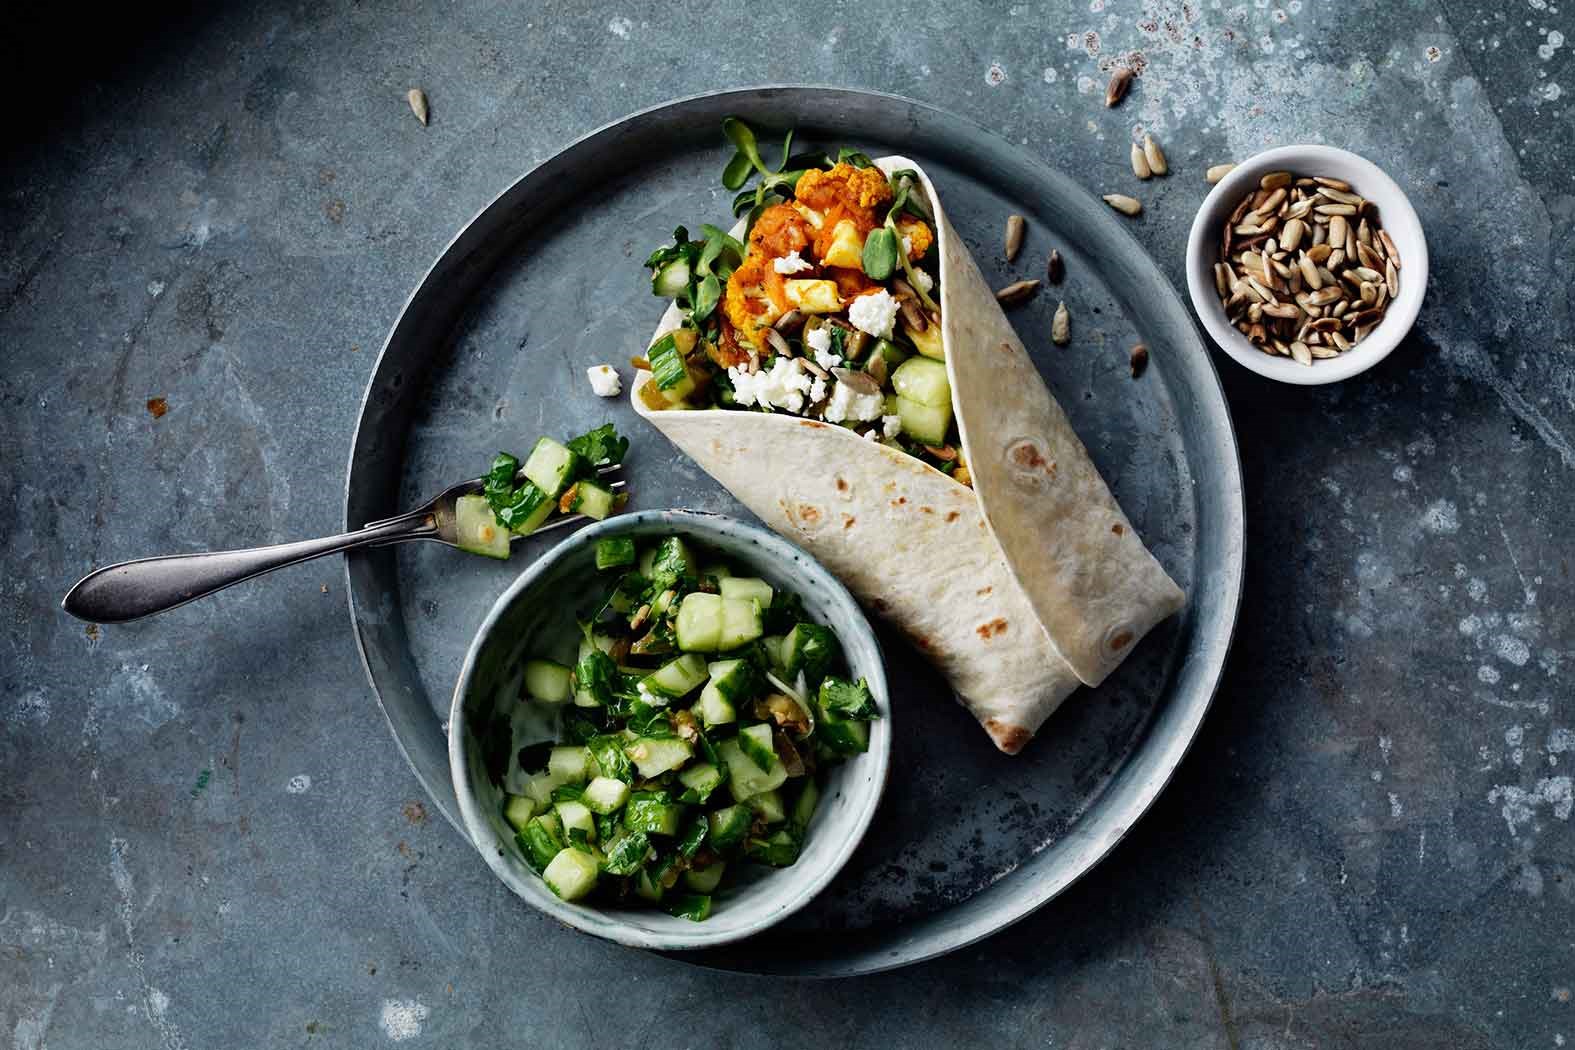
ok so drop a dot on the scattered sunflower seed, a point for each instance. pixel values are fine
(1017, 292)
(1015, 227)
(418, 104)
(1139, 360)
(1140, 165)
(1124, 204)
(1116, 90)
(1275, 180)
(1155, 156)
(1061, 326)
(1055, 269)
(1218, 172)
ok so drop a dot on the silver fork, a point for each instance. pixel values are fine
(131, 590)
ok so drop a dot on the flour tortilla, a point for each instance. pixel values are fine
(1018, 589)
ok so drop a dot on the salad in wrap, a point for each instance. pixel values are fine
(837, 361)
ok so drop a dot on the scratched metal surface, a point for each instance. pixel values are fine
(980, 839)
(1371, 843)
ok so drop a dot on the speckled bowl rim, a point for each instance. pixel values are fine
(1398, 216)
(788, 560)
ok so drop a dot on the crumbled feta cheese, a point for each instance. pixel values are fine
(782, 387)
(923, 281)
(872, 434)
(874, 313)
(604, 380)
(792, 262)
(847, 404)
(817, 390)
(891, 426)
(907, 246)
(819, 341)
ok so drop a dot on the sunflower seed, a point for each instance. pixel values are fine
(1017, 292)
(1139, 360)
(1337, 231)
(1350, 241)
(779, 344)
(1392, 277)
(1367, 255)
(1271, 202)
(1324, 324)
(1124, 204)
(1336, 259)
(1367, 273)
(1061, 326)
(877, 369)
(791, 321)
(1291, 235)
(1221, 281)
(1217, 172)
(1155, 156)
(1324, 296)
(1140, 165)
(1339, 196)
(1300, 352)
(1016, 225)
(1369, 293)
(1285, 310)
(1362, 318)
(1323, 352)
(418, 104)
(1275, 179)
(813, 367)
(1335, 209)
(1299, 210)
(1264, 295)
(1333, 184)
(1364, 232)
(912, 316)
(1309, 271)
(1055, 269)
(1389, 248)
(1340, 341)
(1339, 308)
(1116, 90)
(1319, 253)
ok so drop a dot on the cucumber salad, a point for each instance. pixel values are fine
(556, 479)
(690, 733)
(826, 309)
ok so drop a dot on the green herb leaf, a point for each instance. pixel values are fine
(629, 854)
(595, 675)
(689, 842)
(499, 486)
(854, 157)
(880, 253)
(787, 150)
(607, 750)
(851, 700)
(743, 140)
(601, 446)
(737, 171)
(707, 294)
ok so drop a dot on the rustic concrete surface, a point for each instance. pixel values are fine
(207, 837)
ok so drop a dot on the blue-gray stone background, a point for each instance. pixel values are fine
(207, 835)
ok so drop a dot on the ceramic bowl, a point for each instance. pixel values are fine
(536, 614)
(1397, 217)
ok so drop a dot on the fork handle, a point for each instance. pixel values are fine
(134, 589)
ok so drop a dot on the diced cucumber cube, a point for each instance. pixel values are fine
(604, 795)
(571, 875)
(652, 812)
(730, 824)
(672, 280)
(518, 809)
(614, 552)
(654, 756)
(804, 807)
(527, 509)
(540, 840)
(539, 788)
(755, 741)
(735, 680)
(693, 906)
(646, 887)
(576, 816)
(842, 735)
(744, 777)
(926, 424)
(772, 643)
(779, 850)
(607, 752)
(676, 678)
(571, 763)
(669, 370)
(768, 806)
(671, 561)
(625, 596)
(705, 880)
(476, 528)
(700, 619)
(741, 623)
(699, 781)
(626, 856)
(552, 466)
(747, 587)
(547, 681)
(718, 572)
(592, 498)
(714, 708)
(809, 649)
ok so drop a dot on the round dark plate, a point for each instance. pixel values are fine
(491, 351)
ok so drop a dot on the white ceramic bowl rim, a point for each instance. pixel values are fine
(1398, 217)
(797, 884)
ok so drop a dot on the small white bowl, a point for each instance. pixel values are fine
(1394, 212)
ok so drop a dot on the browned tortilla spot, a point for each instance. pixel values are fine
(927, 510)
(992, 629)
(1026, 455)
(1008, 738)
(952, 515)
(842, 486)
(809, 513)
(899, 501)
(1117, 529)
(809, 423)
(1121, 641)
(848, 520)
(984, 590)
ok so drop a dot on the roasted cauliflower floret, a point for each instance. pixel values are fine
(918, 235)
